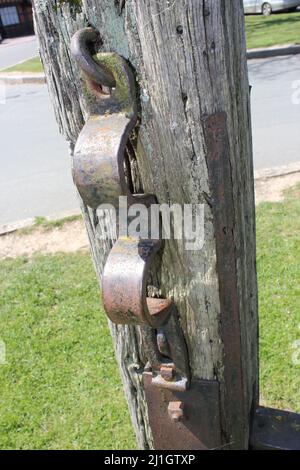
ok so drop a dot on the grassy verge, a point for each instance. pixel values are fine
(283, 28)
(278, 261)
(29, 66)
(50, 224)
(261, 31)
(60, 386)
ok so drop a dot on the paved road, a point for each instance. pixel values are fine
(35, 169)
(275, 119)
(17, 50)
(35, 174)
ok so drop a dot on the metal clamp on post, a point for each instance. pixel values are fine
(98, 172)
(98, 162)
(175, 403)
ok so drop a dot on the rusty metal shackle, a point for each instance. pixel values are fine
(98, 160)
(98, 172)
(124, 284)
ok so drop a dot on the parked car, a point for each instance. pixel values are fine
(266, 8)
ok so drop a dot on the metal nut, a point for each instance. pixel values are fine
(167, 373)
(175, 411)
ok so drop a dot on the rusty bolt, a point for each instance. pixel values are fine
(175, 410)
(167, 373)
(162, 343)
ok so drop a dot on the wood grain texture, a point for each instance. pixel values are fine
(189, 60)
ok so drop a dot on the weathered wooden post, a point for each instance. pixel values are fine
(192, 146)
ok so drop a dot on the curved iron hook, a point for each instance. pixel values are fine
(81, 52)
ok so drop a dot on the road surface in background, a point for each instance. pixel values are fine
(17, 50)
(275, 119)
(35, 176)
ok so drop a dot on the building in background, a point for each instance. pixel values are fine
(15, 18)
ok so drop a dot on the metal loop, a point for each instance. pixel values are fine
(81, 52)
(124, 284)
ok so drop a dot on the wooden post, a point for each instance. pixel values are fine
(195, 146)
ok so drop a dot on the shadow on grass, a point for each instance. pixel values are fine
(277, 29)
(264, 23)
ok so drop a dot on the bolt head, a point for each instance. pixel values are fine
(176, 411)
(167, 373)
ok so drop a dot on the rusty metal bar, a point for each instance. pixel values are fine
(275, 430)
(219, 171)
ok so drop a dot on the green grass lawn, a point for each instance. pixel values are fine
(278, 262)
(29, 66)
(60, 387)
(283, 28)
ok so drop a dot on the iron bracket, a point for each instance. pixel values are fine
(275, 430)
(184, 420)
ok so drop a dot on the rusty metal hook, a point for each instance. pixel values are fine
(98, 160)
(80, 49)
